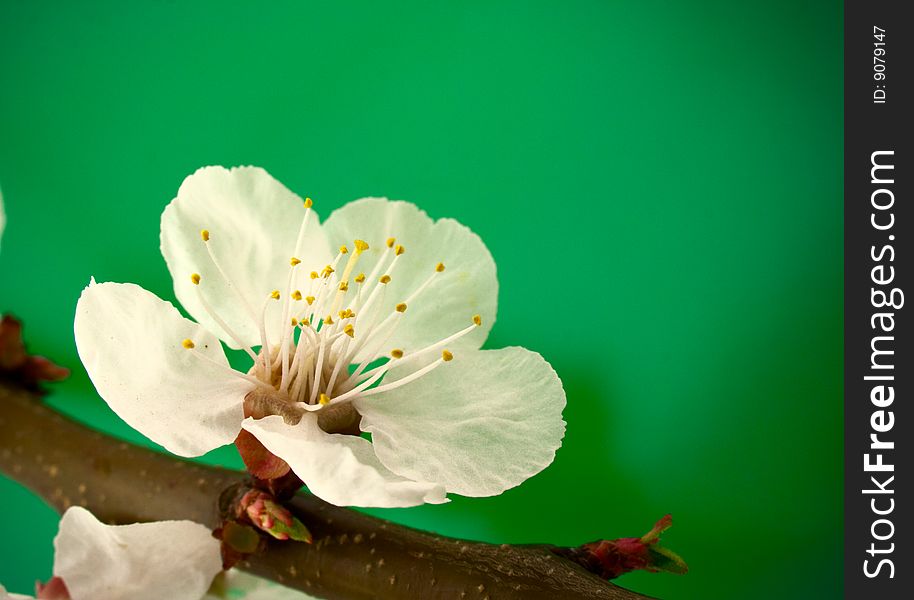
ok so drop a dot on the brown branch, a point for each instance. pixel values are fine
(353, 556)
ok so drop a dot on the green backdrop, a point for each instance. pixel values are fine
(660, 184)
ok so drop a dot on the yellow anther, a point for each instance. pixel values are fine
(349, 330)
(360, 278)
(439, 267)
(477, 319)
(360, 246)
(305, 323)
(344, 286)
(294, 321)
(204, 235)
(328, 320)
(344, 249)
(390, 242)
(296, 295)
(308, 203)
(309, 300)
(195, 278)
(274, 294)
(188, 344)
(385, 279)
(328, 270)
(446, 355)
(294, 261)
(401, 307)
(314, 275)
(399, 250)
(324, 399)
(396, 353)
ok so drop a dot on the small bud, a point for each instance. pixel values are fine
(611, 558)
(268, 515)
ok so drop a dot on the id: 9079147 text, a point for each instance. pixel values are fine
(879, 92)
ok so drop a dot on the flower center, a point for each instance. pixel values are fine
(333, 345)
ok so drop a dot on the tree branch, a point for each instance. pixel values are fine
(354, 556)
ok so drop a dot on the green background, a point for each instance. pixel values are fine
(659, 182)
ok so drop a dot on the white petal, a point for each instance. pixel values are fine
(167, 559)
(239, 585)
(253, 222)
(480, 424)
(129, 340)
(341, 469)
(4, 595)
(468, 286)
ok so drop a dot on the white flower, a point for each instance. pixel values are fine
(377, 336)
(143, 561)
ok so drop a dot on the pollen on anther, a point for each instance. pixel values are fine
(328, 320)
(308, 203)
(477, 319)
(294, 322)
(324, 399)
(296, 295)
(305, 323)
(344, 249)
(390, 242)
(204, 235)
(360, 246)
(385, 279)
(399, 250)
(309, 300)
(294, 261)
(439, 267)
(349, 330)
(360, 278)
(274, 294)
(188, 344)
(195, 278)
(314, 275)
(401, 307)
(446, 356)
(344, 286)
(396, 353)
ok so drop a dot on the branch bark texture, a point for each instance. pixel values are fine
(353, 557)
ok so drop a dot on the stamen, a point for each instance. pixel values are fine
(195, 278)
(296, 295)
(294, 261)
(219, 321)
(189, 345)
(396, 353)
(390, 242)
